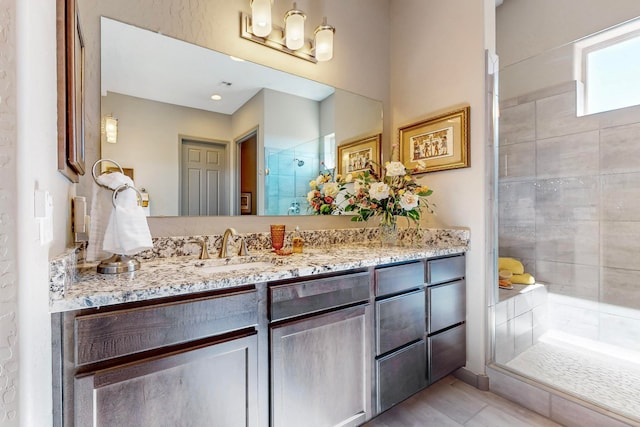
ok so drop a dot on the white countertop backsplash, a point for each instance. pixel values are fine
(172, 267)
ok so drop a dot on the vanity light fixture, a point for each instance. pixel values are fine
(290, 39)
(294, 28)
(261, 11)
(111, 129)
(324, 41)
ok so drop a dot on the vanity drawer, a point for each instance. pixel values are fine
(446, 305)
(112, 334)
(295, 299)
(445, 269)
(447, 352)
(398, 278)
(400, 375)
(399, 320)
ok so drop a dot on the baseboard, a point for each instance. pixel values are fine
(479, 381)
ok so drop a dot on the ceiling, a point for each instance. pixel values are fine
(144, 64)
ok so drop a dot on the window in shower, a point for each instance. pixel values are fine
(610, 66)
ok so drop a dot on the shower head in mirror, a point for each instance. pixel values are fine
(300, 162)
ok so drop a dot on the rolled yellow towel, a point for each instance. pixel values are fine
(513, 265)
(523, 279)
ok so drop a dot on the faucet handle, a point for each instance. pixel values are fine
(243, 248)
(204, 252)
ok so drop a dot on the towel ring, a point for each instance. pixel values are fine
(95, 177)
(122, 188)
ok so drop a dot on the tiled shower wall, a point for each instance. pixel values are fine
(569, 197)
(287, 182)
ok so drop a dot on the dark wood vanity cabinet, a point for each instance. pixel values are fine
(399, 332)
(332, 349)
(320, 349)
(182, 362)
(446, 313)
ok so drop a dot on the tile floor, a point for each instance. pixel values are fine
(451, 402)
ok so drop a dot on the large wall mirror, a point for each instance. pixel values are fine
(251, 152)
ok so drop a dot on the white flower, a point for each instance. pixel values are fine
(330, 189)
(358, 184)
(310, 195)
(408, 201)
(379, 190)
(395, 169)
(349, 178)
(320, 179)
(312, 183)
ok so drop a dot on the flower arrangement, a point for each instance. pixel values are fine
(391, 194)
(324, 190)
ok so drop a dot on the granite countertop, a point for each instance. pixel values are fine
(184, 275)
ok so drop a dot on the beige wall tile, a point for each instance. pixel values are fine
(571, 242)
(517, 161)
(568, 199)
(577, 280)
(621, 196)
(620, 248)
(620, 149)
(556, 116)
(620, 287)
(565, 156)
(518, 124)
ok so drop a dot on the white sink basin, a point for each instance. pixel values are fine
(257, 265)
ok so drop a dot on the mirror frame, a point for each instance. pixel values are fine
(71, 90)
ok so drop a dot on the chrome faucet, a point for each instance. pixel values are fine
(225, 238)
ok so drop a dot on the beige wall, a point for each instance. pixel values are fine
(8, 218)
(437, 57)
(142, 124)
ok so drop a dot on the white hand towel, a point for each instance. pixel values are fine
(107, 235)
(101, 208)
(127, 232)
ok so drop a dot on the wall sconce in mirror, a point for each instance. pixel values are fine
(259, 28)
(110, 127)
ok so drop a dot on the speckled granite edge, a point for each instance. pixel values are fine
(171, 267)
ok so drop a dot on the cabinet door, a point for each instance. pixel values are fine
(446, 305)
(447, 352)
(321, 370)
(399, 320)
(204, 386)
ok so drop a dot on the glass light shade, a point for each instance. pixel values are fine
(261, 17)
(111, 129)
(294, 29)
(324, 43)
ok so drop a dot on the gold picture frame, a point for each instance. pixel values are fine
(354, 156)
(436, 144)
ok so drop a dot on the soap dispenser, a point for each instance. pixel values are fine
(297, 241)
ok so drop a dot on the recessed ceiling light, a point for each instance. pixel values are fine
(216, 97)
(235, 58)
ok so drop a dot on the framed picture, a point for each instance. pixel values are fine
(71, 91)
(245, 203)
(436, 144)
(125, 171)
(355, 156)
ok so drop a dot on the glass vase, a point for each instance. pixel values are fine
(389, 233)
